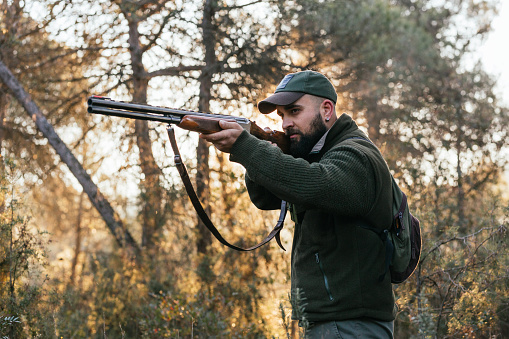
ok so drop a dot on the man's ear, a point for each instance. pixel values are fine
(327, 108)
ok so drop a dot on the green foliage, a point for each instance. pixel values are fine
(22, 252)
(286, 319)
(174, 316)
(7, 326)
(298, 302)
(503, 316)
(462, 277)
(121, 303)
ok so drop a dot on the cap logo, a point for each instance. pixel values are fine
(284, 82)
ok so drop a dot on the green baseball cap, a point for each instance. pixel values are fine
(295, 85)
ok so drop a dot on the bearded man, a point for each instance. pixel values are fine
(335, 181)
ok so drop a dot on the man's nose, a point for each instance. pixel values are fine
(287, 123)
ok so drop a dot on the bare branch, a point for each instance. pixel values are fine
(102, 205)
(173, 71)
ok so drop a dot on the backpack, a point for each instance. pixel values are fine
(405, 234)
(402, 239)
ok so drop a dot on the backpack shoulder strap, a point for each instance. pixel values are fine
(201, 211)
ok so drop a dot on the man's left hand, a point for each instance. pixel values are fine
(224, 140)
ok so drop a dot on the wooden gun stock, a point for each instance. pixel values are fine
(277, 137)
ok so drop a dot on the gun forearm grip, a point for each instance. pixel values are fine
(205, 125)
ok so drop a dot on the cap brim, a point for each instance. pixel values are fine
(278, 99)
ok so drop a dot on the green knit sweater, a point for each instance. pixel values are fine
(341, 185)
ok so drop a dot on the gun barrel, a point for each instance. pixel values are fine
(106, 106)
(170, 119)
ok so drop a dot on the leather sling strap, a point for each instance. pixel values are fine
(203, 215)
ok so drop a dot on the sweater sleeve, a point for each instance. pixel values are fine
(260, 196)
(341, 182)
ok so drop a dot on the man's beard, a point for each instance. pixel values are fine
(301, 148)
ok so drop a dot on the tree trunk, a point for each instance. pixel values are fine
(461, 190)
(4, 103)
(204, 238)
(77, 243)
(122, 236)
(152, 209)
(373, 117)
(227, 196)
(4, 267)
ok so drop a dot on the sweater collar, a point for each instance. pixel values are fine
(319, 145)
(342, 128)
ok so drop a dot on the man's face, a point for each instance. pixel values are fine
(303, 124)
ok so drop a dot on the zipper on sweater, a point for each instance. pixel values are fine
(331, 298)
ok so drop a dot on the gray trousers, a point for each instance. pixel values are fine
(350, 329)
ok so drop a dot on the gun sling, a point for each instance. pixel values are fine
(203, 215)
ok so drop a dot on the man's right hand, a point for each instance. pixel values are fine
(224, 139)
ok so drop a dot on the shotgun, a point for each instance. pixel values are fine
(205, 123)
(197, 122)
